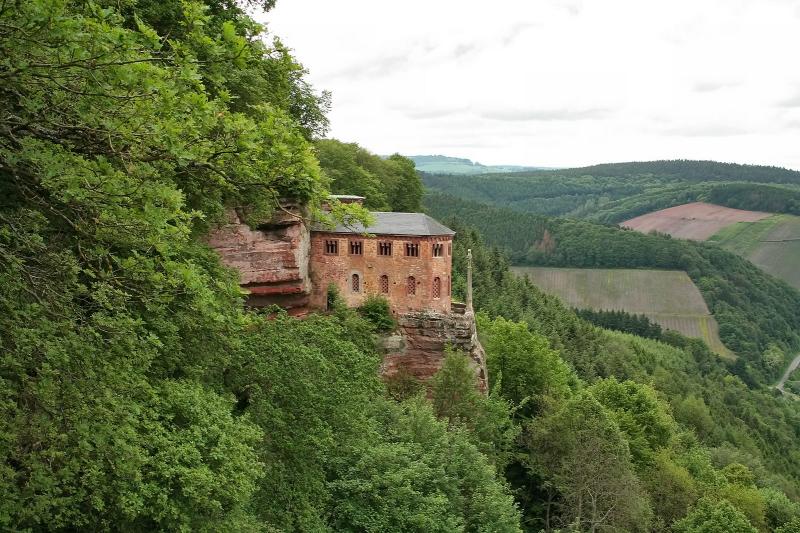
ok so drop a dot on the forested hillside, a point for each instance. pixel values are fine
(757, 313)
(136, 393)
(615, 192)
(699, 441)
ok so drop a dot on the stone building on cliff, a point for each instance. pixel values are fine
(404, 257)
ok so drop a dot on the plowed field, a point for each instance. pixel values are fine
(668, 298)
(696, 221)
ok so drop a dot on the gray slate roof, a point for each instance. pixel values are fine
(386, 223)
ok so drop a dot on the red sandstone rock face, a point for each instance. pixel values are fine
(369, 267)
(272, 262)
(420, 350)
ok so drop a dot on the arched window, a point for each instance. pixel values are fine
(356, 283)
(411, 286)
(385, 284)
(437, 288)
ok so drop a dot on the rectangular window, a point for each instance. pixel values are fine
(356, 247)
(438, 249)
(332, 247)
(449, 249)
(385, 248)
(412, 249)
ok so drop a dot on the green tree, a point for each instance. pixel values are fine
(671, 487)
(640, 415)
(404, 187)
(529, 371)
(421, 477)
(710, 516)
(121, 141)
(582, 451)
(488, 418)
(388, 184)
(791, 527)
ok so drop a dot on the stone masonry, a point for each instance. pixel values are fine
(369, 266)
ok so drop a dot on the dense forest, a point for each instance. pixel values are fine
(616, 192)
(757, 313)
(691, 427)
(137, 392)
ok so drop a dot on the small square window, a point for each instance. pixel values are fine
(438, 249)
(332, 247)
(356, 247)
(385, 248)
(412, 249)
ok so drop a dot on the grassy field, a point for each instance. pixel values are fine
(668, 298)
(772, 243)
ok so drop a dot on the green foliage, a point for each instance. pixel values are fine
(390, 184)
(308, 385)
(621, 321)
(583, 451)
(487, 417)
(642, 417)
(530, 374)
(377, 312)
(755, 197)
(135, 392)
(421, 477)
(791, 527)
(780, 510)
(714, 517)
(733, 423)
(402, 385)
(693, 413)
(672, 488)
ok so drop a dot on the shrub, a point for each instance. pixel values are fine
(376, 311)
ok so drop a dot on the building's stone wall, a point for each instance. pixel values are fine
(369, 266)
(273, 260)
(419, 346)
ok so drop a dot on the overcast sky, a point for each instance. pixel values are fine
(556, 83)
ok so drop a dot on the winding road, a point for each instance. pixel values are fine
(791, 368)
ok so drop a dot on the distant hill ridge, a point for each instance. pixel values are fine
(441, 164)
(690, 170)
(613, 192)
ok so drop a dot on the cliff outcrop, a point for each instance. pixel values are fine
(419, 344)
(273, 259)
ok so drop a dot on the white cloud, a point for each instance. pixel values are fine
(556, 83)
